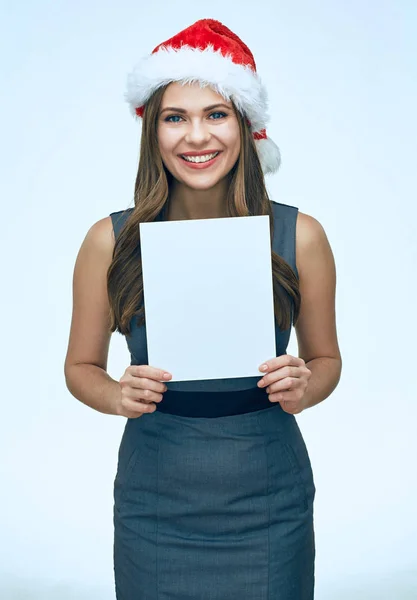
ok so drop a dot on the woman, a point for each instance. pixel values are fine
(214, 489)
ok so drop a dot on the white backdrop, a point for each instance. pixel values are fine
(342, 87)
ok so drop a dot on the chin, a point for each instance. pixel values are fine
(200, 183)
(202, 186)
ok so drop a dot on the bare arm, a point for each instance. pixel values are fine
(316, 327)
(86, 360)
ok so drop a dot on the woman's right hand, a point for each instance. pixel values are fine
(141, 386)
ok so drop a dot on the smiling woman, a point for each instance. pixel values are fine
(201, 147)
(214, 490)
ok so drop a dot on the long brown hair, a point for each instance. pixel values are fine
(247, 196)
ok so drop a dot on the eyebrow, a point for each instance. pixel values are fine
(182, 111)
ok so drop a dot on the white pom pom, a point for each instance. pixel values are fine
(269, 155)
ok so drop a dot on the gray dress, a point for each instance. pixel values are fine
(214, 493)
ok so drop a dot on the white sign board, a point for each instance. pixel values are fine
(208, 296)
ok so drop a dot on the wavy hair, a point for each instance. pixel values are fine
(247, 196)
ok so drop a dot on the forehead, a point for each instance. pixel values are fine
(191, 95)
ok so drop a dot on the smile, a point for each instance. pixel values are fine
(200, 161)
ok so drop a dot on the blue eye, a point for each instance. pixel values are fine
(172, 117)
(214, 116)
(222, 114)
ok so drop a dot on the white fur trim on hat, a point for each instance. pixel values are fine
(269, 155)
(233, 81)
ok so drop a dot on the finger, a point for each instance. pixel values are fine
(150, 372)
(148, 384)
(291, 407)
(291, 396)
(289, 383)
(282, 373)
(282, 361)
(148, 396)
(139, 395)
(137, 406)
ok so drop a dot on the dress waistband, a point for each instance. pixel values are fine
(213, 404)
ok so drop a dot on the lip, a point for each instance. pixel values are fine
(204, 165)
(201, 153)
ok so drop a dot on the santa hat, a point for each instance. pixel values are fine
(209, 53)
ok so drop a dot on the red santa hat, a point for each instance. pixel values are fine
(209, 53)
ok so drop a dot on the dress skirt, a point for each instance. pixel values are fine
(214, 508)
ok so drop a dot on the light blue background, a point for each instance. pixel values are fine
(342, 85)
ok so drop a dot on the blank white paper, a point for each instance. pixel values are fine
(208, 296)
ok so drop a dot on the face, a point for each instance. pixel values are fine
(198, 135)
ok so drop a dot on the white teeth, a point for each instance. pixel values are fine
(199, 159)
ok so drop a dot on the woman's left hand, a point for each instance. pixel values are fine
(286, 381)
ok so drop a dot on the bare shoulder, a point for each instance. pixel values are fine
(98, 244)
(311, 241)
(309, 230)
(101, 234)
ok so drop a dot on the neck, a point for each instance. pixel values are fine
(188, 203)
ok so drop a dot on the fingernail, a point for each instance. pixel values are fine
(167, 375)
(263, 368)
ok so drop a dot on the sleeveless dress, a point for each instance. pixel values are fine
(214, 491)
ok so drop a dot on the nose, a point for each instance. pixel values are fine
(197, 133)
